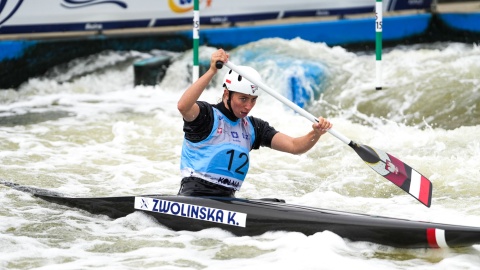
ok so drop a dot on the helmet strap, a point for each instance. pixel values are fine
(230, 93)
(228, 112)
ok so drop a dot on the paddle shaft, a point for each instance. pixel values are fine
(285, 101)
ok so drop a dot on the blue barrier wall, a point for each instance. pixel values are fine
(341, 32)
(11, 49)
(462, 21)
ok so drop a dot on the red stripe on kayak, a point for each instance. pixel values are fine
(431, 238)
(425, 188)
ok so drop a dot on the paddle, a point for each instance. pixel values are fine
(383, 163)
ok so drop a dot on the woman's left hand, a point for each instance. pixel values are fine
(322, 126)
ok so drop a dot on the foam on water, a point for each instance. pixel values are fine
(107, 137)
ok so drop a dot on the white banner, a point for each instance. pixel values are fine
(24, 16)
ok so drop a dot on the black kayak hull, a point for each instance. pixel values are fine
(254, 217)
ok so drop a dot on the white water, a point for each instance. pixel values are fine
(87, 131)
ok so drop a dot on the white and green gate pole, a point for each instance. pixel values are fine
(378, 43)
(196, 28)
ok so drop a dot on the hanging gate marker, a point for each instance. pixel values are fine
(378, 43)
(196, 28)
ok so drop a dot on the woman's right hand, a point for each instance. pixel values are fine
(219, 55)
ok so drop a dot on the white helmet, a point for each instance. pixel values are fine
(236, 83)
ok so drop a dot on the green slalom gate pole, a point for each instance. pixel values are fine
(378, 43)
(196, 28)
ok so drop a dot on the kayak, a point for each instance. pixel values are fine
(251, 217)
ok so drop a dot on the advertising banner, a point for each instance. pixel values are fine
(29, 16)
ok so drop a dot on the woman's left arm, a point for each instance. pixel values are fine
(300, 145)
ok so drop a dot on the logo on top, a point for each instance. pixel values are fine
(7, 11)
(87, 3)
(182, 6)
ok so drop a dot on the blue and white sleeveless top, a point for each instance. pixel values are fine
(223, 157)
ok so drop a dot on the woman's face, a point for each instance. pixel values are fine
(241, 103)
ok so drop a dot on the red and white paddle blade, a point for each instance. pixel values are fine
(397, 172)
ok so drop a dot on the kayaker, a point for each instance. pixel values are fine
(219, 137)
